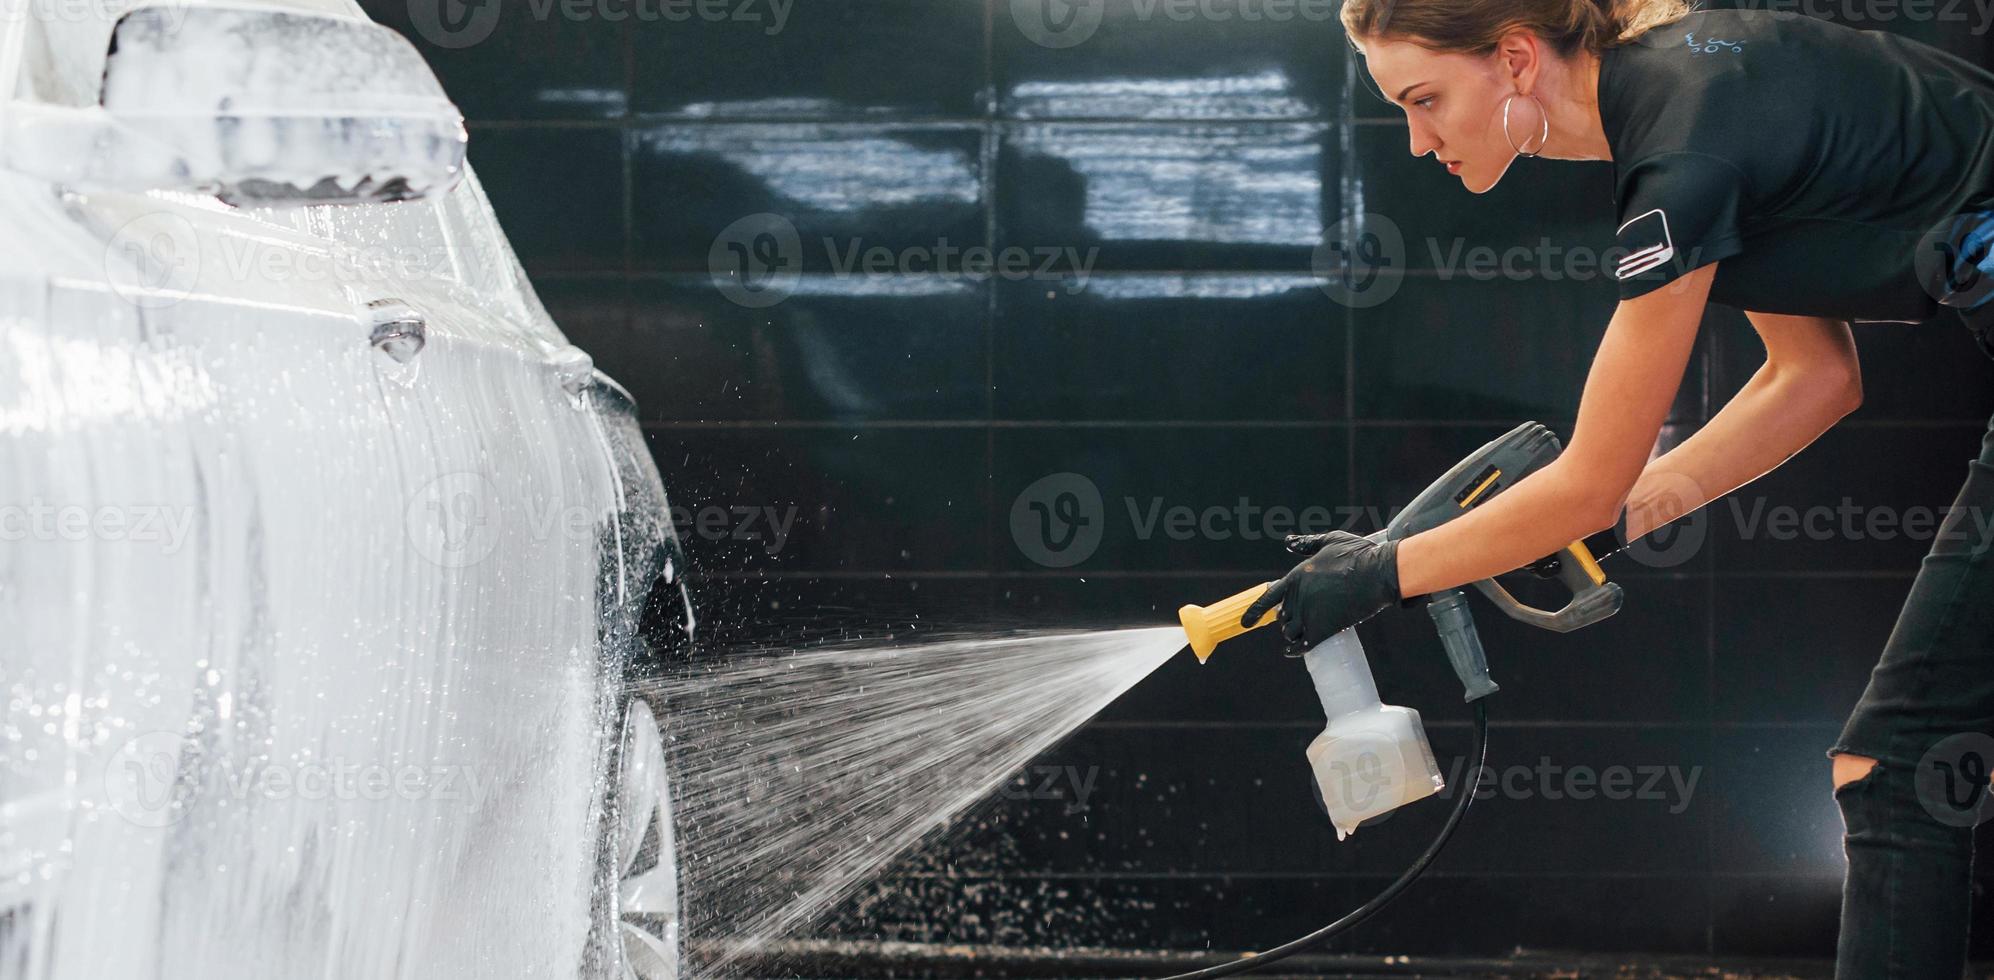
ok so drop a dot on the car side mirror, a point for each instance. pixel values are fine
(258, 106)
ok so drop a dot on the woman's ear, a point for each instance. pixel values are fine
(1520, 55)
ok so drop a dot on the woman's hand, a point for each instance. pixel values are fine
(1348, 580)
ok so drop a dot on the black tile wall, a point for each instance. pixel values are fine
(1028, 313)
(871, 349)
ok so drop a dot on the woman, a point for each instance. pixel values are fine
(1806, 173)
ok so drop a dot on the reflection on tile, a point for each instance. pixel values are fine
(885, 348)
(854, 58)
(1265, 95)
(1170, 196)
(1136, 59)
(1150, 346)
(848, 198)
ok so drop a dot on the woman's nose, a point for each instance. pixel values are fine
(1422, 141)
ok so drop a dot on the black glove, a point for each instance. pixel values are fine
(1309, 544)
(1607, 542)
(1349, 580)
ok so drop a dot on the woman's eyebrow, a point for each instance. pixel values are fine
(1403, 91)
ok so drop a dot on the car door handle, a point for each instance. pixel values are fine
(396, 328)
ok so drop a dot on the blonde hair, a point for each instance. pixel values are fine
(1474, 26)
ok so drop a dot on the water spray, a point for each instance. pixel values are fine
(1371, 757)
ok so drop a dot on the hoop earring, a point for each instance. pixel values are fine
(1541, 140)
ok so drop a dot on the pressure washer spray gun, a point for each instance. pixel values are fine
(1373, 757)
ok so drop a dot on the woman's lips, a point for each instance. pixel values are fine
(1454, 167)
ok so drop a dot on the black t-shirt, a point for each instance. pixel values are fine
(1808, 158)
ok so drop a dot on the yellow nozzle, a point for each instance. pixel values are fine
(1209, 626)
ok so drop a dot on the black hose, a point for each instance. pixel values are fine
(1254, 961)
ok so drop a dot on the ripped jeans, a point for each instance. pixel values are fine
(1927, 716)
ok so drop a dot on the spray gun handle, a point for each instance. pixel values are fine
(1456, 625)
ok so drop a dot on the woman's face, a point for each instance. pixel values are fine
(1453, 106)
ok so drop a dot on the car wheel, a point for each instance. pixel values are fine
(647, 893)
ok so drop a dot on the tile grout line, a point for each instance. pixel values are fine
(988, 180)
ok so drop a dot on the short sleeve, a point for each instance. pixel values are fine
(1679, 212)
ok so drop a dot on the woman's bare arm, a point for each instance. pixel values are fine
(1628, 393)
(1809, 381)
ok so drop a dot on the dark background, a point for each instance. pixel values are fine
(903, 416)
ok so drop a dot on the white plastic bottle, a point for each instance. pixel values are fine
(1372, 757)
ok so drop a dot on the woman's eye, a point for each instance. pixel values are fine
(1424, 103)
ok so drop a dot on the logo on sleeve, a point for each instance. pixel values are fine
(1648, 243)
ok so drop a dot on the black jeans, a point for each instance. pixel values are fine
(1927, 716)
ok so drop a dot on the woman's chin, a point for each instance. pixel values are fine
(1481, 182)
